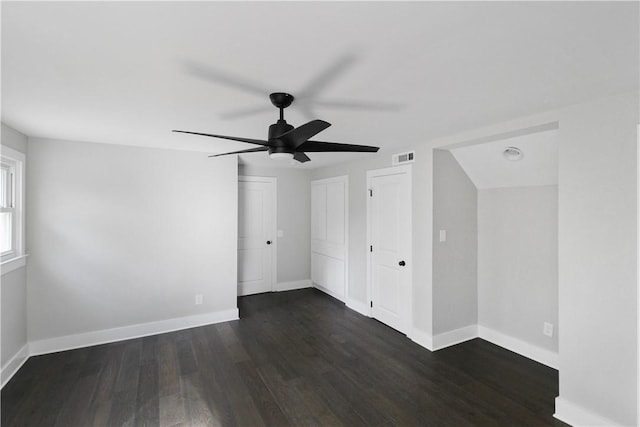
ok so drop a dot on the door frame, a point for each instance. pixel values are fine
(273, 181)
(637, 262)
(395, 170)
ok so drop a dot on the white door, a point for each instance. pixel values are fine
(256, 235)
(389, 220)
(329, 231)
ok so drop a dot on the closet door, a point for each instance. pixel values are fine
(329, 230)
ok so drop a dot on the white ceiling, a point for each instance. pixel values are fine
(128, 73)
(487, 167)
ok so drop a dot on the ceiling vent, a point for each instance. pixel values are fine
(401, 158)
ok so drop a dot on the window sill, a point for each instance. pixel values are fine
(13, 264)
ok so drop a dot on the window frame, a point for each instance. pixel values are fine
(15, 258)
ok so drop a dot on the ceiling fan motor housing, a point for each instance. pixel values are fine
(275, 144)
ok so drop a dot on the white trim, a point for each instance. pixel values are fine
(294, 284)
(12, 366)
(358, 306)
(13, 264)
(421, 338)
(87, 339)
(447, 339)
(346, 237)
(638, 274)
(394, 170)
(523, 348)
(575, 415)
(274, 215)
(328, 292)
(20, 160)
(246, 289)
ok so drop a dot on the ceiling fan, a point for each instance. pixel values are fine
(287, 142)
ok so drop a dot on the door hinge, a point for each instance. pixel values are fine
(371, 192)
(371, 304)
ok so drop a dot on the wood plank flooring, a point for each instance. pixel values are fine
(295, 358)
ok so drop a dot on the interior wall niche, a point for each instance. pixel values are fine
(495, 244)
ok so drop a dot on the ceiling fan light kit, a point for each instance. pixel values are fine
(281, 156)
(288, 142)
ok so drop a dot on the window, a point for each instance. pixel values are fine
(12, 165)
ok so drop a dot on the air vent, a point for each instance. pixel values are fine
(401, 158)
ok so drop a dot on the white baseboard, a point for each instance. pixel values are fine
(358, 306)
(454, 337)
(446, 339)
(328, 292)
(11, 367)
(87, 339)
(539, 354)
(295, 284)
(421, 338)
(578, 416)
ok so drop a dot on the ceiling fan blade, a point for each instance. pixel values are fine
(306, 111)
(359, 105)
(320, 146)
(299, 135)
(249, 111)
(233, 138)
(321, 81)
(214, 75)
(301, 157)
(250, 150)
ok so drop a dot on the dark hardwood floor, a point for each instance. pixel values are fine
(294, 358)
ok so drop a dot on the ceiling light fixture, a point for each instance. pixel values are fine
(512, 153)
(281, 156)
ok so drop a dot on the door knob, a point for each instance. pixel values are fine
(268, 242)
(402, 264)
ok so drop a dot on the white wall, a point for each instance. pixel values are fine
(598, 259)
(13, 293)
(120, 236)
(455, 261)
(13, 289)
(294, 219)
(518, 262)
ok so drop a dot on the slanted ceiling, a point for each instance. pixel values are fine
(487, 167)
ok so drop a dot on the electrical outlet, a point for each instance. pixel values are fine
(199, 299)
(548, 329)
(443, 235)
